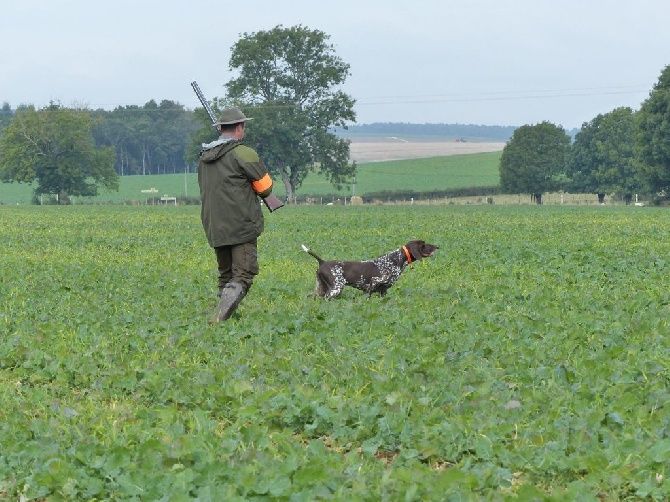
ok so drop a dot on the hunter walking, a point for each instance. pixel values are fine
(231, 178)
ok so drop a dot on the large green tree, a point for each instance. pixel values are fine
(654, 135)
(533, 159)
(288, 78)
(602, 159)
(54, 146)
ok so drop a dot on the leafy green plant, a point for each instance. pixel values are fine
(528, 359)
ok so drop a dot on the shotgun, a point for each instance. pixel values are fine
(271, 201)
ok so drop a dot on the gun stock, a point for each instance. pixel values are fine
(272, 203)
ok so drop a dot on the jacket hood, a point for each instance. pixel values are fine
(216, 149)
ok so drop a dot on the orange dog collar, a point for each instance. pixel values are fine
(407, 254)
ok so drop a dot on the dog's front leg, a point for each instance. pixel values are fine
(333, 293)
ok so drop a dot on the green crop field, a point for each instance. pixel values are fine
(436, 173)
(527, 360)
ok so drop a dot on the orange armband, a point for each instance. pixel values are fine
(262, 184)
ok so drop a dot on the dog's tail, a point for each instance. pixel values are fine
(311, 253)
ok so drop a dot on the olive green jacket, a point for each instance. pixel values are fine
(231, 212)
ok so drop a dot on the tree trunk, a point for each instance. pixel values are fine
(628, 198)
(286, 178)
(601, 198)
(62, 198)
(538, 198)
(122, 157)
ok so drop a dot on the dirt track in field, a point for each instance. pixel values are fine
(375, 151)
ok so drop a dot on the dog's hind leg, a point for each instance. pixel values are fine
(320, 288)
(325, 283)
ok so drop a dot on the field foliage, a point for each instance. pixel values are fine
(429, 174)
(527, 360)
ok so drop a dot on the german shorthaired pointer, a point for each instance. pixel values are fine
(372, 276)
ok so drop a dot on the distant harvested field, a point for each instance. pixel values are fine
(397, 149)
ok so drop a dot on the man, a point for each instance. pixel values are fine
(231, 177)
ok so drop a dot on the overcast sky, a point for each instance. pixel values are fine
(492, 62)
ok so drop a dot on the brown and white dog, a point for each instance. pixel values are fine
(371, 276)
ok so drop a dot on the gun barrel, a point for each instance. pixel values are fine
(204, 102)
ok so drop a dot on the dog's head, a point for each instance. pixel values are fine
(420, 249)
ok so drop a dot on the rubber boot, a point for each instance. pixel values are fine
(231, 296)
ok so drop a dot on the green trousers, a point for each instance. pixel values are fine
(237, 263)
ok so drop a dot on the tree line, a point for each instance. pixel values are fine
(149, 139)
(622, 152)
(74, 151)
